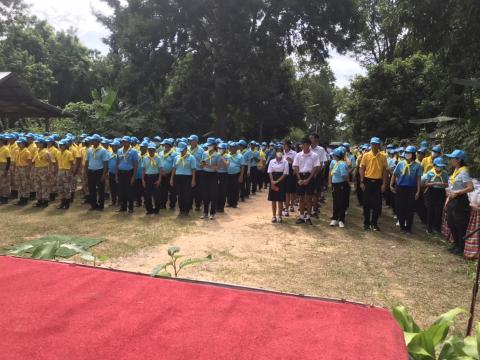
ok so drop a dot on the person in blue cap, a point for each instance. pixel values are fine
(65, 165)
(127, 166)
(152, 165)
(244, 189)
(210, 163)
(13, 146)
(235, 175)
(112, 172)
(406, 184)
(423, 161)
(253, 159)
(23, 164)
(41, 165)
(391, 165)
(373, 182)
(167, 192)
(5, 164)
(96, 166)
(458, 206)
(183, 177)
(291, 185)
(435, 184)
(52, 174)
(197, 152)
(222, 176)
(139, 190)
(338, 180)
(351, 162)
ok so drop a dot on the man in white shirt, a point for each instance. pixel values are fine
(306, 166)
(319, 178)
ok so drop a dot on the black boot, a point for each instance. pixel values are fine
(62, 205)
(45, 203)
(72, 196)
(67, 204)
(22, 202)
(14, 194)
(38, 204)
(33, 196)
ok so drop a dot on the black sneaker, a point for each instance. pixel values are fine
(308, 221)
(366, 227)
(300, 221)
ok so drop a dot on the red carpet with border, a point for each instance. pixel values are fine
(60, 311)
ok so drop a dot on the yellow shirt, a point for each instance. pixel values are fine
(33, 149)
(64, 160)
(374, 165)
(23, 156)
(4, 154)
(13, 151)
(41, 159)
(53, 153)
(427, 164)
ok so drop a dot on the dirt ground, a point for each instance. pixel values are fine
(384, 268)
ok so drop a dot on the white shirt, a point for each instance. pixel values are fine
(322, 154)
(306, 162)
(289, 155)
(278, 166)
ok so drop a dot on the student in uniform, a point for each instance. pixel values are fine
(235, 175)
(65, 165)
(13, 146)
(23, 163)
(210, 164)
(306, 166)
(338, 180)
(406, 185)
(53, 169)
(151, 180)
(351, 162)
(391, 165)
(435, 195)
(183, 178)
(319, 182)
(167, 192)
(73, 148)
(223, 176)
(82, 171)
(278, 170)
(253, 159)
(32, 147)
(41, 167)
(245, 184)
(197, 153)
(261, 166)
(112, 172)
(373, 176)
(5, 163)
(97, 167)
(420, 208)
(126, 168)
(138, 187)
(291, 184)
(458, 205)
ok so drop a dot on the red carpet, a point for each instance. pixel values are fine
(67, 312)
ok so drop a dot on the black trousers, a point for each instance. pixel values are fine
(112, 180)
(347, 190)
(458, 216)
(222, 191)
(138, 191)
(96, 189)
(405, 203)
(210, 192)
(243, 185)
(183, 187)
(372, 201)
(152, 193)
(233, 187)
(260, 178)
(359, 191)
(197, 190)
(167, 192)
(434, 201)
(125, 189)
(254, 179)
(421, 209)
(340, 200)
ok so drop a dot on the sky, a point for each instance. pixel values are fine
(65, 14)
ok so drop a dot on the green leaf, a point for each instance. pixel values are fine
(46, 251)
(452, 349)
(192, 261)
(20, 249)
(173, 250)
(164, 274)
(408, 336)
(404, 319)
(85, 255)
(158, 269)
(421, 344)
(449, 316)
(176, 257)
(103, 258)
(477, 335)
(470, 347)
(437, 333)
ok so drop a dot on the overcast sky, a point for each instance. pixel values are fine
(64, 14)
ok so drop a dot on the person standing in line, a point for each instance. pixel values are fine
(126, 168)
(435, 195)
(244, 185)
(254, 159)
(319, 177)
(358, 181)
(13, 146)
(5, 163)
(65, 165)
(183, 178)
(112, 172)
(210, 164)
(138, 189)
(291, 181)
(306, 166)
(337, 182)
(235, 176)
(391, 165)
(53, 170)
(420, 208)
(373, 176)
(458, 205)
(83, 172)
(32, 147)
(222, 176)
(151, 180)
(351, 162)
(167, 192)
(262, 156)
(197, 153)
(97, 167)
(278, 170)
(23, 164)
(406, 184)
(41, 167)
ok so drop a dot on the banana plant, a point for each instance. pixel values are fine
(176, 264)
(48, 250)
(425, 344)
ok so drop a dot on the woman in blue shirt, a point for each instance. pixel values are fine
(436, 181)
(338, 182)
(222, 176)
(183, 178)
(406, 185)
(209, 165)
(235, 175)
(127, 165)
(112, 170)
(151, 180)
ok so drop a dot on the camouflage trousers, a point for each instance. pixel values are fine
(64, 184)
(52, 179)
(22, 179)
(41, 182)
(85, 191)
(13, 183)
(4, 182)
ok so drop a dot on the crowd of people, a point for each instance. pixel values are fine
(156, 173)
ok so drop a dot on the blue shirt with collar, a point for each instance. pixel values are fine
(96, 158)
(409, 179)
(126, 159)
(213, 160)
(236, 163)
(223, 169)
(185, 166)
(139, 173)
(168, 162)
(112, 163)
(152, 165)
(338, 172)
(431, 177)
(198, 155)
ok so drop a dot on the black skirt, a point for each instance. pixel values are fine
(291, 181)
(278, 196)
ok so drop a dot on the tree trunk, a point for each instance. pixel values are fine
(260, 130)
(221, 104)
(47, 125)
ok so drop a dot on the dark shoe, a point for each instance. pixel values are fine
(33, 196)
(121, 210)
(22, 202)
(72, 196)
(3, 200)
(44, 203)
(62, 205)
(38, 204)
(300, 221)
(14, 194)
(130, 211)
(308, 221)
(375, 228)
(366, 227)
(149, 213)
(67, 204)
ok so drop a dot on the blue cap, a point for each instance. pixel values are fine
(223, 146)
(422, 150)
(134, 140)
(411, 149)
(242, 143)
(152, 146)
(400, 149)
(391, 151)
(437, 149)
(87, 139)
(62, 142)
(346, 145)
(211, 141)
(390, 146)
(106, 141)
(424, 144)
(144, 144)
(115, 143)
(167, 142)
(181, 146)
(126, 139)
(457, 154)
(193, 138)
(83, 136)
(253, 143)
(375, 140)
(439, 162)
(22, 140)
(41, 140)
(96, 137)
(338, 152)
(157, 138)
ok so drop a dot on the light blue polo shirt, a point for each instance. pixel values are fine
(353, 161)
(460, 182)
(236, 163)
(168, 162)
(431, 177)
(248, 155)
(223, 169)
(213, 160)
(152, 165)
(409, 179)
(338, 172)
(255, 157)
(112, 163)
(126, 159)
(185, 166)
(96, 158)
(139, 173)
(197, 154)
(391, 163)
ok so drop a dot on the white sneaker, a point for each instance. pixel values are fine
(274, 219)
(204, 216)
(341, 224)
(398, 223)
(333, 223)
(212, 217)
(279, 220)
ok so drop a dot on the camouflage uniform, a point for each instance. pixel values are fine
(41, 182)
(4, 182)
(22, 179)
(64, 184)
